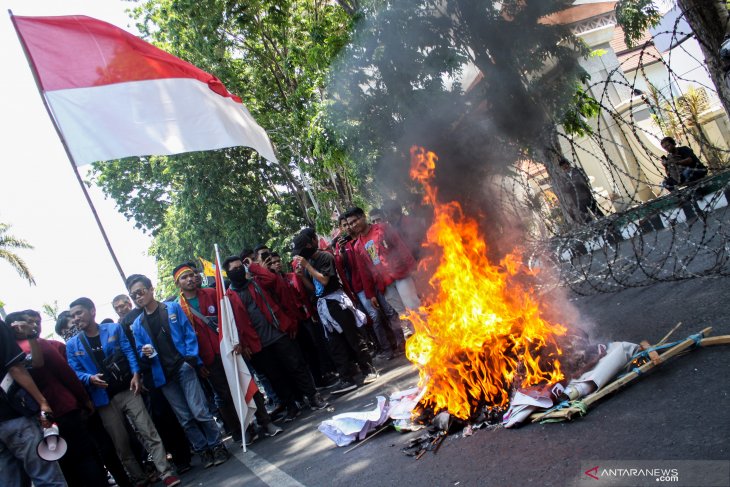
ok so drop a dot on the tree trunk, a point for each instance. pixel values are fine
(709, 22)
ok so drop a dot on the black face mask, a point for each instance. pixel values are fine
(237, 275)
(307, 252)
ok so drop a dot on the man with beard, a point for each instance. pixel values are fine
(166, 341)
(88, 354)
(275, 355)
(338, 315)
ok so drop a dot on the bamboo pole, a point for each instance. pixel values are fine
(569, 412)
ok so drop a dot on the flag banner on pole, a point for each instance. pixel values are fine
(114, 95)
(208, 267)
(240, 380)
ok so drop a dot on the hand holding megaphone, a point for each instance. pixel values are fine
(52, 447)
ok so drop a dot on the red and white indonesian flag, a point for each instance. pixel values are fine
(240, 381)
(114, 95)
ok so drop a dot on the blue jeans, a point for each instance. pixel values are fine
(19, 438)
(378, 326)
(186, 396)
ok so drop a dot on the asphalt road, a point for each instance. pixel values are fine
(680, 411)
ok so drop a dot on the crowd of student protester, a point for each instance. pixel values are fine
(138, 397)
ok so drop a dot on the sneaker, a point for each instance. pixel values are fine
(316, 402)
(181, 469)
(220, 455)
(344, 386)
(328, 382)
(291, 414)
(251, 437)
(207, 458)
(171, 480)
(271, 430)
(371, 377)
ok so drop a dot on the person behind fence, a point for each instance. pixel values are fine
(681, 165)
(337, 313)
(81, 465)
(20, 431)
(104, 361)
(166, 341)
(576, 188)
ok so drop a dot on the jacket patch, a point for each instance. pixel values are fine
(112, 338)
(79, 353)
(211, 309)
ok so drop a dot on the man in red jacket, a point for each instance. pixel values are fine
(390, 258)
(71, 404)
(365, 284)
(277, 356)
(309, 336)
(201, 307)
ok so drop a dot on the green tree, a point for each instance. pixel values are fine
(7, 244)
(397, 85)
(708, 19)
(275, 55)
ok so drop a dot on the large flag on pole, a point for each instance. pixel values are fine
(114, 95)
(239, 377)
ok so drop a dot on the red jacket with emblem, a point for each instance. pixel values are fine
(387, 253)
(208, 341)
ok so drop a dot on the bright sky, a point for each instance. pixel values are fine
(40, 196)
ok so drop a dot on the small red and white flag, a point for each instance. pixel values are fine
(240, 381)
(114, 95)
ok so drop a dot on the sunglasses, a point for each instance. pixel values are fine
(138, 293)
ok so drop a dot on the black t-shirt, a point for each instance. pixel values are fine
(170, 358)
(324, 263)
(10, 355)
(684, 152)
(98, 350)
(266, 331)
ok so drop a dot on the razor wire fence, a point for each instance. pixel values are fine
(647, 233)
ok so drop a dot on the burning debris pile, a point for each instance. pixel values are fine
(480, 334)
(485, 353)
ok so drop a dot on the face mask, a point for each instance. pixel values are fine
(307, 252)
(237, 275)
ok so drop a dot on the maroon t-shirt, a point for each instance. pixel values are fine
(56, 380)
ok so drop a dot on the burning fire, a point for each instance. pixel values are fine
(480, 334)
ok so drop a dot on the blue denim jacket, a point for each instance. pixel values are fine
(181, 332)
(112, 338)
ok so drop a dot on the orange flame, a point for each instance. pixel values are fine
(480, 334)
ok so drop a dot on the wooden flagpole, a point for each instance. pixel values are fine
(65, 148)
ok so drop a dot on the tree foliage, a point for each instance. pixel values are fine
(708, 19)
(275, 55)
(343, 88)
(399, 83)
(636, 17)
(8, 243)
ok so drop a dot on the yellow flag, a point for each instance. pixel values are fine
(208, 267)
